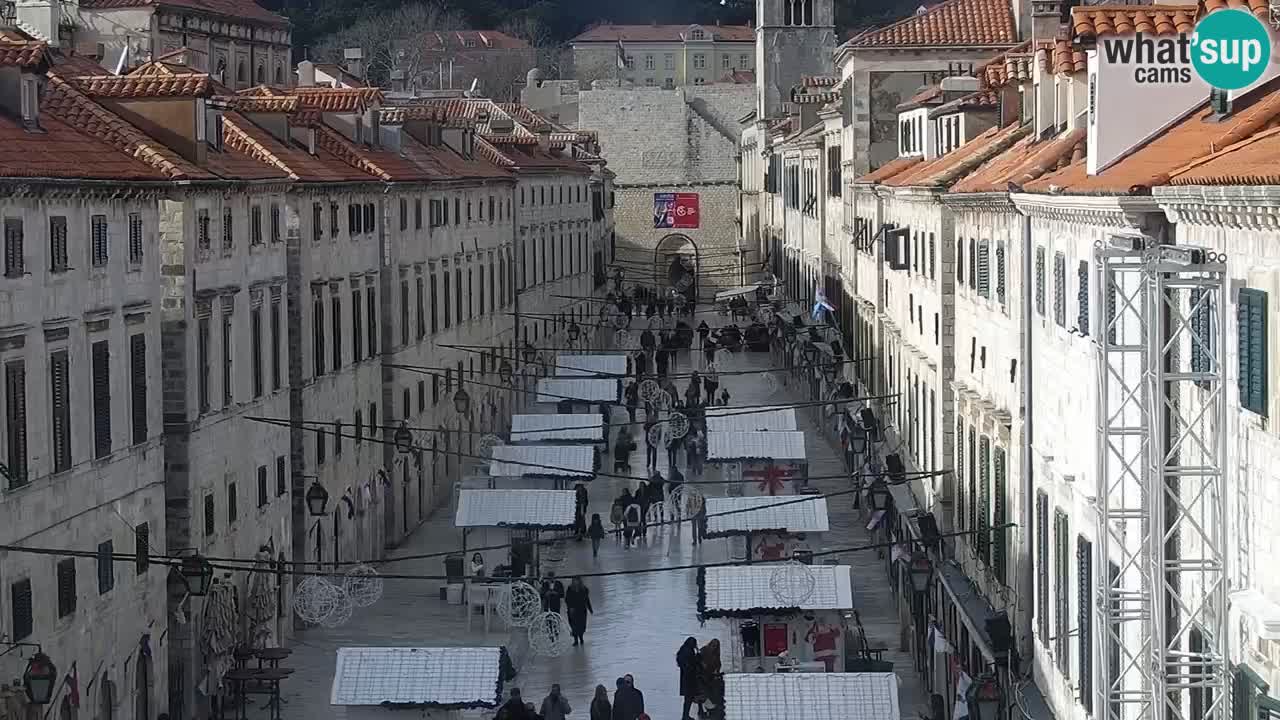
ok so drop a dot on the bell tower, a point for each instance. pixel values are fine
(794, 38)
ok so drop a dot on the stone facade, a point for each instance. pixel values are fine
(789, 46)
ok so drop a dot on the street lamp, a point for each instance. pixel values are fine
(505, 370)
(921, 569)
(528, 352)
(462, 401)
(197, 574)
(574, 331)
(878, 495)
(317, 499)
(39, 679)
(984, 698)
(857, 439)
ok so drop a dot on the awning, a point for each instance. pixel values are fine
(729, 419)
(732, 293)
(450, 678)
(812, 696)
(546, 427)
(762, 513)
(540, 509)
(750, 589)
(599, 366)
(731, 446)
(576, 461)
(589, 390)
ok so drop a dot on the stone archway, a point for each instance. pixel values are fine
(671, 248)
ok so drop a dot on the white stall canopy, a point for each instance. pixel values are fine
(556, 461)
(811, 696)
(583, 390)
(451, 678)
(765, 514)
(733, 590)
(775, 446)
(731, 293)
(515, 508)
(600, 366)
(557, 428)
(729, 419)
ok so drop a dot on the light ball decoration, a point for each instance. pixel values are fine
(622, 338)
(771, 384)
(363, 585)
(685, 501)
(679, 301)
(519, 604)
(487, 443)
(677, 424)
(665, 401)
(764, 314)
(650, 390)
(619, 319)
(342, 609)
(549, 635)
(315, 599)
(792, 583)
(655, 436)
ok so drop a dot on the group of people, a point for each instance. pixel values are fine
(701, 680)
(627, 704)
(576, 601)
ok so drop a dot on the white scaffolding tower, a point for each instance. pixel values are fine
(1162, 608)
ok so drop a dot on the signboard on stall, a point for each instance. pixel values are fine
(675, 211)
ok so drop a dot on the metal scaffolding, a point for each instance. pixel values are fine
(1162, 610)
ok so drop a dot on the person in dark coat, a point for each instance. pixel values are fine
(622, 453)
(596, 533)
(709, 350)
(578, 603)
(628, 702)
(650, 449)
(632, 394)
(690, 670)
(700, 522)
(703, 331)
(663, 361)
(514, 708)
(552, 593)
(601, 708)
(642, 364)
(580, 509)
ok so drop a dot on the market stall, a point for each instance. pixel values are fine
(763, 463)
(805, 696)
(731, 419)
(579, 392)
(596, 366)
(523, 466)
(781, 614)
(767, 528)
(432, 683)
(559, 429)
(514, 518)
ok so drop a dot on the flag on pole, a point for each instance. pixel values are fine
(819, 304)
(622, 55)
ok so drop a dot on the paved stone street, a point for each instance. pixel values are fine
(640, 619)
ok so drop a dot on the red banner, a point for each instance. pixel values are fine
(675, 210)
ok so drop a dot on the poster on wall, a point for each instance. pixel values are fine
(675, 210)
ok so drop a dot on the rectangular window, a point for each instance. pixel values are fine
(973, 264)
(275, 344)
(335, 318)
(422, 395)
(263, 495)
(999, 514)
(984, 269)
(275, 223)
(57, 244)
(20, 601)
(1082, 297)
(202, 360)
(457, 295)
(419, 301)
(210, 519)
(100, 356)
(1061, 590)
(317, 222)
(60, 403)
(353, 219)
(334, 218)
(983, 527)
(233, 506)
(141, 548)
(370, 223)
(435, 300)
(228, 379)
(138, 387)
(337, 439)
(1251, 328)
(1000, 273)
(960, 476)
(66, 587)
(15, 411)
(228, 230)
(371, 317)
(106, 567)
(135, 239)
(933, 252)
(1060, 289)
(98, 240)
(1040, 281)
(1084, 620)
(282, 477)
(404, 214)
(203, 235)
(480, 274)
(960, 262)
(973, 481)
(255, 349)
(320, 447)
(255, 225)
(357, 325)
(317, 332)
(448, 316)
(417, 213)
(404, 312)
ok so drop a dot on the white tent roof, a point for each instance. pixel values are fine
(569, 460)
(591, 365)
(453, 676)
(736, 292)
(811, 696)
(556, 427)
(733, 588)
(595, 390)
(785, 513)
(728, 419)
(501, 508)
(783, 446)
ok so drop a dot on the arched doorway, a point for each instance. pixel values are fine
(672, 251)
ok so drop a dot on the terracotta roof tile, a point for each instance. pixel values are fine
(1028, 159)
(1194, 137)
(238, 9)
(890, 169)
(980, 100)
(493, 154)
(341, 75)
(264, 91)
(525, 116)
(953, 23)
(1258, 7)
(819, 81)
(143, 86)
(441, 162)
(1010, 64)
(289, 157)
(430, 112)
(949, 168)
(339, 100)
(1061, 57)
(817, 98)
(16, 50)
(931, 95)
(239, 160)
(76, 65)
(1090, 21)
(62, 151)
(1252, 161)
(259, 104)
(664, 33)
(472, 40)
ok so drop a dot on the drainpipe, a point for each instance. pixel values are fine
(1026, 569)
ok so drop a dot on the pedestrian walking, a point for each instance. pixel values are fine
(596, 533)
(632, 519)
(663, 361)
(724, 397)
(690, 666)
(622, 453)
(552, 593)
(650, 447)
(580, 510)
(632, 395)
(642, 365)
(703, 331)
(628, 701)
(514, 708)
(619, 509)
(554, 705)
(700, 522)
(577, 602)
(601, 708)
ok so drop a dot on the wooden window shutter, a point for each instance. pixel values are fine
(983, 525)
(21, 604)
(999, 514)
(1084, 621)
(15, 385)
(138, 387)
(1061, 639)
(66, 587)
(106, 567)
(263, 495)
(59, 367)
(973, 479)
(282, 486)
(1060, 289)
(255, 349)
(1040, 281)
(1251, 326)
(1082, 297)
(1042, 565)
(142, 547)
(984, 269)
(1201, 342)
(101, 359)
(1000, 272)
(210, 518)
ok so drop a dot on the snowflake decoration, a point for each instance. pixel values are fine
(685, 501)
(549, 635)
(678, 424)
(315, 599)
(619, 320)
(655, 436)
(519, 604)
(679, 302)
(792, 583)
(683, 282)
(665, 401)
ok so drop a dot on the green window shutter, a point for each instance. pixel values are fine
(984, 269)
(984, 499)
(999, 512)
(1201, 326)
(1061, 589)
(1082, 297)
(1084, 612)
(959, 475)
(1040, 281)
(1251, 325)
(1060, 289)
(1000, 272)
(1042, 565)
(973, 480)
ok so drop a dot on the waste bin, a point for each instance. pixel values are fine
(453, 567)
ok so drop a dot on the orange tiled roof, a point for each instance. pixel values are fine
(431, 112)
(525, 116)
(340, 100)
(819, 81)
(952, 23)
(1061, 57)
(259, 104)
(1252, 161)
(1090, 21)
(1028, 159)
(816, 98)
(472, 40)
(1258, 7)
(263, 91)
(741, 77)
(142, 86)
(980, 100)
(949, 168)
(493, 154)
(890, 169)
(1194, 137)
(16, 50)
(74, 65)
(931, 95)
(254, 141)
(63, 151)
(1011, 63)
(664, 33)
(237, 9)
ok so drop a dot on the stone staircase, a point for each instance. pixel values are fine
(699, 108)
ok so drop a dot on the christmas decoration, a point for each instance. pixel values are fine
(363, 585)
(316, 598)
(792, 583)
(549, 635)
(519, 604)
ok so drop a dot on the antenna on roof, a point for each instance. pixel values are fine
(123, 62)
(475, 87)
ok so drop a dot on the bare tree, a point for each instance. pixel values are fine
(549, 54)
(394, 40)
(502, 75)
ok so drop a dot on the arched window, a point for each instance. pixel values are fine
(242, 73)
(221, 72)
(261, 74)
(789, 12)
(808, 12)
(279, 75)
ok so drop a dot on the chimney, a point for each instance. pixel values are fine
(41, 18)
(354, 61)
(306, 74)
(957, 86)
(1045, 18)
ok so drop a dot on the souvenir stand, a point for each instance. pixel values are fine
(417, 682)
(559, 429)
(782, 614)
(807, 696)
(523, 466)
(593, 366)
(731, 419)
(765, 463)
(738, 301)
(767, 528)
(581, 393)
(515, 518)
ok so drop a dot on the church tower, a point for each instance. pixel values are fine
(794, 38)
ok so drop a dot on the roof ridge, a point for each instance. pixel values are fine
(1264, 134)
(335, 143)
(238, 139)
(1002, 140)
(936, 10)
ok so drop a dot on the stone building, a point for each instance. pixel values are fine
(664, 56)
(80, 344)
(794, 39)
(451, 60)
